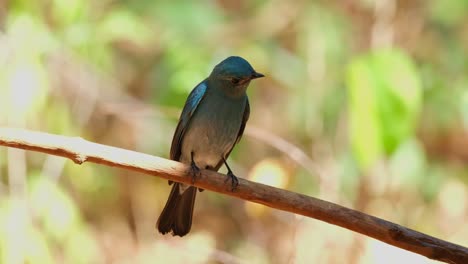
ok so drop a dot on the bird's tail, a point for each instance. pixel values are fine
(177, 214)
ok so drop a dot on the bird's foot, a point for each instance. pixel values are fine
(230, 175)
(194, 171)
(234, 180)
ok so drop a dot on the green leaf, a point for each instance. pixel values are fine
(121, 24)
(67, 12)
(385, 96)
(366, 137)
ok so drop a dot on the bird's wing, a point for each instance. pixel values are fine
(190, 106)
(245, 118)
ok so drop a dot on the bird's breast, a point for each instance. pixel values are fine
(213, 130)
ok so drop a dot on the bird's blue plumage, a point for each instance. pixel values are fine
(233, 66)
(212, 122)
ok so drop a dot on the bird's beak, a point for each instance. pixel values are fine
(256, 75)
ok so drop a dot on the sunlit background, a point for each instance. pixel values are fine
(365, 104)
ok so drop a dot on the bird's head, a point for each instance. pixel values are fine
(234, 75)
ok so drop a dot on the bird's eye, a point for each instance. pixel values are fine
(235, 81)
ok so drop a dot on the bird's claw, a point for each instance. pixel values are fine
(234, 180)
(194, 172)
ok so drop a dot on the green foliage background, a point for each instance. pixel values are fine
(365, 104)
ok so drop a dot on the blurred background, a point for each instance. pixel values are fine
(365, 104)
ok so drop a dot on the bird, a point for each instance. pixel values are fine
(211, 124)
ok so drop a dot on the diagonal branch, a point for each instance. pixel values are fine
(80, 150)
